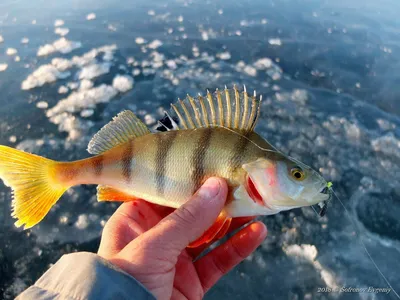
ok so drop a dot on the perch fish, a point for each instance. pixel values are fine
(207, 136)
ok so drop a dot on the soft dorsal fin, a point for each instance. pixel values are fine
(229, 108)
(122, 128)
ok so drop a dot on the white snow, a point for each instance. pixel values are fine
(122, 83)
(224, 55)
(136, 72)
(87, 113)
(58, 23)
(63, 89)
(24, 40)
(1, 39)
(275, 41)
(62, 45)
(42, 105)
(63, 31)
(151, 12)
(12, 139)
(61, 64)
(82, 222)
(155, 44)
(249, 70)
(180, 19)
(11, 51)
(86, 84)
(44, 74)
(79, 100)
(94, 70)
(140, 40)
(263, 63)
(171, 64)
(204, 36)
(309, 254)
(91, 16)
(3, 67)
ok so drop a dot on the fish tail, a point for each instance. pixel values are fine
(35, 184)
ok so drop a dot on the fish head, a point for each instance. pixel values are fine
(282, 183)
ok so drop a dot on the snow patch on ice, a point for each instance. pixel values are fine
(309, 254)
(44, 74)
(122, 83)
(63, 89)
(24, 40)
(91, 16)
(58, 23)
(224, 55)
(1, 39)
(140, 40)
(94, 70)
(3, 67)
(61, 45)
(275, 41)
(155, 44)
(11, 51)
(63, 31)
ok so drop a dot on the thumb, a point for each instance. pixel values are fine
(192, 219)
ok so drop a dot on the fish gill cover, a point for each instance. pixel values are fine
(327, 78)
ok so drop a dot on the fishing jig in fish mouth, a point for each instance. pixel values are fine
(211, 135)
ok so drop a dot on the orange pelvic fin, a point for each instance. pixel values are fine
(106, 193)
(216, 231)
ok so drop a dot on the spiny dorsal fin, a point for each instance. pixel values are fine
(121, 129)
(230, 108)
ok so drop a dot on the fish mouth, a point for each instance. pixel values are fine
(324, 204)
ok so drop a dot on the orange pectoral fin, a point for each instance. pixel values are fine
(216, 231)
(106, 193)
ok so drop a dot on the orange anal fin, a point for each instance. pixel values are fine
(216, 231)
(106, 193)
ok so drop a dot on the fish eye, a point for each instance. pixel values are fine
(297, 173)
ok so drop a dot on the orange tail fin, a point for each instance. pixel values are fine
(34, 183)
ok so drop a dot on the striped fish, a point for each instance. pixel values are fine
(207, 136)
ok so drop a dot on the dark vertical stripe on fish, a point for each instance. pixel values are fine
(198, 158)
(98, 164)
(126, 161)
(238, 153)
(164, 143)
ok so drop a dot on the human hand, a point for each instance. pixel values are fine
(140, 240)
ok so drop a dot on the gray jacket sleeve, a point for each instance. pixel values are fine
(85, 275)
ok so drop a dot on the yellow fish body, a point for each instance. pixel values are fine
(211, 136)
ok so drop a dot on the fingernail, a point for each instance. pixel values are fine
(209, 189)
